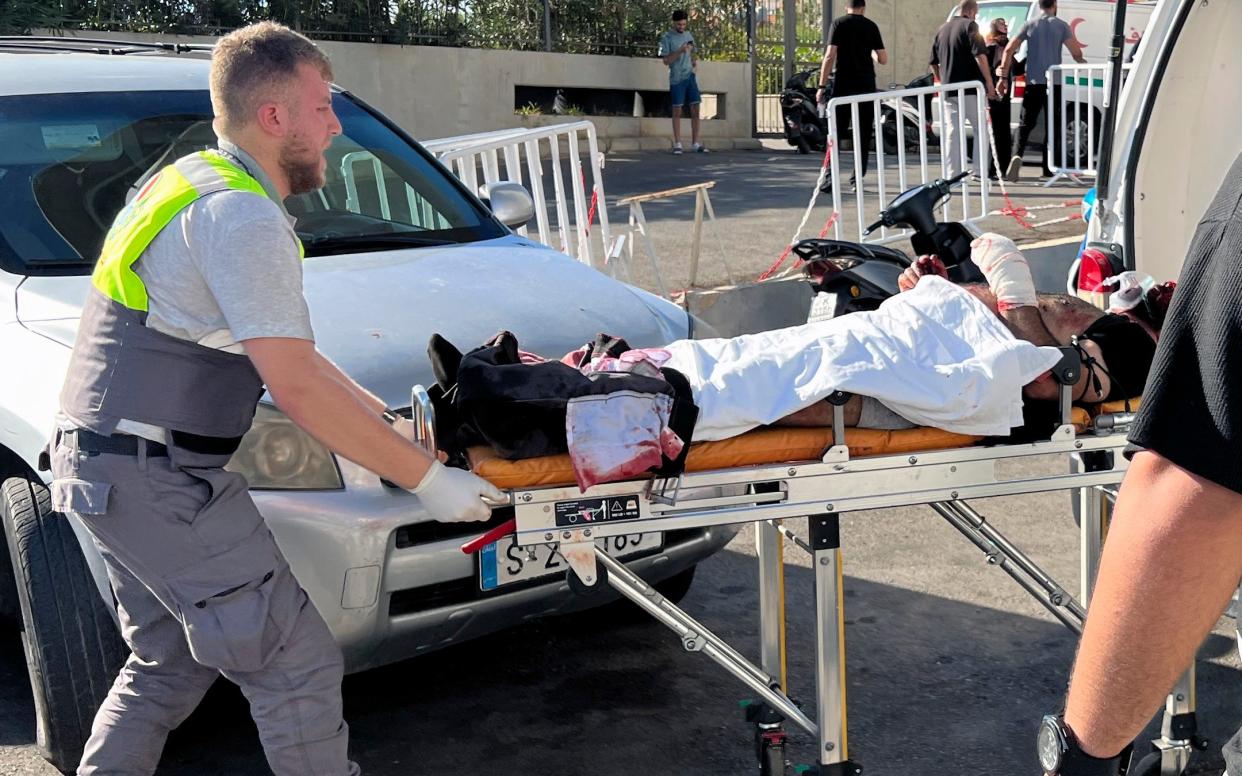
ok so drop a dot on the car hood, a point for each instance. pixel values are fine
(373, 313)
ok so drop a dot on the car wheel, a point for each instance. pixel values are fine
(73, 650)
(1081, 139)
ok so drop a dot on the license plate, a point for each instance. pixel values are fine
(505, 562)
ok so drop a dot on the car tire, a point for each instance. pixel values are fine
(1080, 134)
(72, 646)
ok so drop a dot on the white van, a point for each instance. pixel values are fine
(1166, 168)
(1092, 23)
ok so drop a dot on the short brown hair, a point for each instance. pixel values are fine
(250, 64)
(967, 6)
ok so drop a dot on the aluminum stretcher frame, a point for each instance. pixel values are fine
(820, 491)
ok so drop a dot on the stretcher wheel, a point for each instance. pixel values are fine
(772, 760)
(578, 587)
(1149, 766)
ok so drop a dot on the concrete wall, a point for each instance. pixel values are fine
(435, 92)
(908, 27)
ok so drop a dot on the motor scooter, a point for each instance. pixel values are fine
(805, 129)
(850, 276)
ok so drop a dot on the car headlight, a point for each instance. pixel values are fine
(277, 455)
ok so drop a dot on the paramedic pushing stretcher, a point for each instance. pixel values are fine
(196, 304)
(1174, 549)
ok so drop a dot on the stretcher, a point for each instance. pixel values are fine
(775, 475)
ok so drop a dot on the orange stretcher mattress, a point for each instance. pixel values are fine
(758, 447)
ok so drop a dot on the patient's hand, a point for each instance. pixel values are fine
(923, 265)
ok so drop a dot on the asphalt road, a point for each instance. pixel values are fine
(950, 664)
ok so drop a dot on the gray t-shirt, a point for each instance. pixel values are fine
(683, 66)
(1044, 38)
(225, 269)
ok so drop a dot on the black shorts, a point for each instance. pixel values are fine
(1192, 409)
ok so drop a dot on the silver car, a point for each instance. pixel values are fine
(78, 132)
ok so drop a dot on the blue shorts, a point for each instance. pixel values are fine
(685, 92)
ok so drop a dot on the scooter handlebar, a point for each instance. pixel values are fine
(876, 225)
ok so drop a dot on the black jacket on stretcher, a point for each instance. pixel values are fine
(491, 396)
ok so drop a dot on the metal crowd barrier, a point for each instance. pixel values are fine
(931, 159)
(541, 159)
(1073, 117)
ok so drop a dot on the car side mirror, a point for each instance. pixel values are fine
(510, 202)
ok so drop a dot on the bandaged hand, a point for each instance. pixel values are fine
(1006, 270)
(456, 496)
(923, 265)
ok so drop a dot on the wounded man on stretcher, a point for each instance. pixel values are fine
(956, 358)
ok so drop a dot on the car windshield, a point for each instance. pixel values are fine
(1014, 15)
(69, 162)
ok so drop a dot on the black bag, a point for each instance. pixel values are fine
(489, 396)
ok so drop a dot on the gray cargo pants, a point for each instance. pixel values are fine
(201, 590)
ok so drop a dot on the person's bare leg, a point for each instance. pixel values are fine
(819, 415)
(694, 124)
(676, 124)
(1172, 560)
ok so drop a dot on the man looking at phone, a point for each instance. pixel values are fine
(677, 51)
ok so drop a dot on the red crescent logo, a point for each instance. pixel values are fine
(1074, 31)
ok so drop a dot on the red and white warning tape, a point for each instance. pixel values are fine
(806, 215)
(1019, 213)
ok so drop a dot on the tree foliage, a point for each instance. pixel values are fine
(577, 26)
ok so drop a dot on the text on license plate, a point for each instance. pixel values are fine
(505, 562)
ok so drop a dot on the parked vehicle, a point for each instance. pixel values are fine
(1092, 25)
(805, 128)
(850, 276)
(396, 249)
(913, 123)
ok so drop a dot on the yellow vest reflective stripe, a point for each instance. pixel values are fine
(170, 191)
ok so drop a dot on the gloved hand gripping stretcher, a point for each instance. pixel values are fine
(772, 475)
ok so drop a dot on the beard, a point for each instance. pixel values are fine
(301, 166)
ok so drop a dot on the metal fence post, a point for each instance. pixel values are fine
(790, 11)
(547, 25)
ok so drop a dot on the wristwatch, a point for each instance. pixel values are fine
(390, 416)
(1060, 755)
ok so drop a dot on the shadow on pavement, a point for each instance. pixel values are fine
(935, 686)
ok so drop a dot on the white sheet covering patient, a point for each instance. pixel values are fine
(935, 355)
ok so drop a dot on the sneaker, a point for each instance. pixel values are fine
(677, 148)
(698, 148)
(1014, 171)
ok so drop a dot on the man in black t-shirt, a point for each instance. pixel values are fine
(1174, 550)
(960, 55)
(851, 41)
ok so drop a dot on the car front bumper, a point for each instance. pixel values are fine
(391, 584)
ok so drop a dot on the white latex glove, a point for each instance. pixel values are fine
(456, 496)
(1006, 270)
